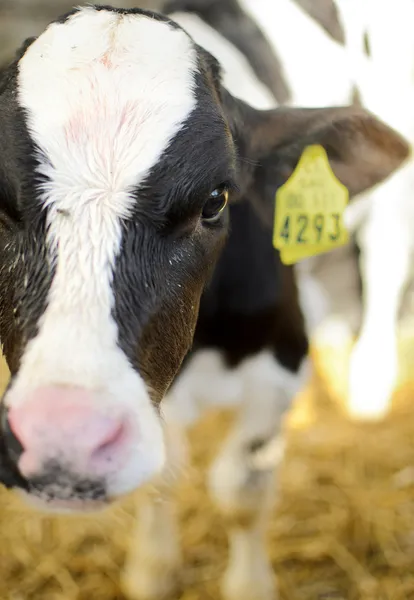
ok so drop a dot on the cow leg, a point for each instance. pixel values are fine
(153, 562)
(243, 494)
(154, 558)
(242, 478)
(385, 267)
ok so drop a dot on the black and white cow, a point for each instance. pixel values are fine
(126, 168)
(364, 50)
(247, 319)
(333, 69)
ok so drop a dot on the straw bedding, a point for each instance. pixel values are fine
(343, 526)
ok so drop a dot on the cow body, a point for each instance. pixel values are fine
(250, 345)
(120, 258)
(342, 58)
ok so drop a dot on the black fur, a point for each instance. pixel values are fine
(251, 303)
(325, 13)
(22, 227)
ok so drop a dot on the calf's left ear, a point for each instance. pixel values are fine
(362, 150)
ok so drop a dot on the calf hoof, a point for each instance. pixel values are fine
(249, 586)
(371, 383)
(143, 583)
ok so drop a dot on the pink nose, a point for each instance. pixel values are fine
(64, 425)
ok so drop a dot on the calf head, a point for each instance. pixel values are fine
(119, 148)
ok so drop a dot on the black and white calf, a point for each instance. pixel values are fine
(120, 149)
(250, 342)
(368, 48)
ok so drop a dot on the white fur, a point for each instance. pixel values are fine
(206, 382)
(386, 266)
(386, 85)
(105, 93)
(238, 76)
(316, 67)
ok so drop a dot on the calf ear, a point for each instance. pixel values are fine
(362, 150)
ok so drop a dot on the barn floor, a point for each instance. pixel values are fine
(343, 527)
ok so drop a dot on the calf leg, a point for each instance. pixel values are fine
(154, 558)
(385, 267)
(242, 481)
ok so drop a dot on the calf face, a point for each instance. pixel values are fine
(119, 148)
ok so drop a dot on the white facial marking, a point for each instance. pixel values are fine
(105, 93)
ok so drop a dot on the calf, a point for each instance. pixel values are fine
(250, 343)
(123, 162)
(364, 51)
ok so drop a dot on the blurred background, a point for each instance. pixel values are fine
(343, 526)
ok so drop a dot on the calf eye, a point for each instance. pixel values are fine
(215, 204)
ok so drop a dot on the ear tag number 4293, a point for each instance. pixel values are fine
(309, 209)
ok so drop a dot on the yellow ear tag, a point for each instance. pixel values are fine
(309, 209)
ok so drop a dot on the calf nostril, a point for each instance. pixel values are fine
(109, 445)
(12, 442)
